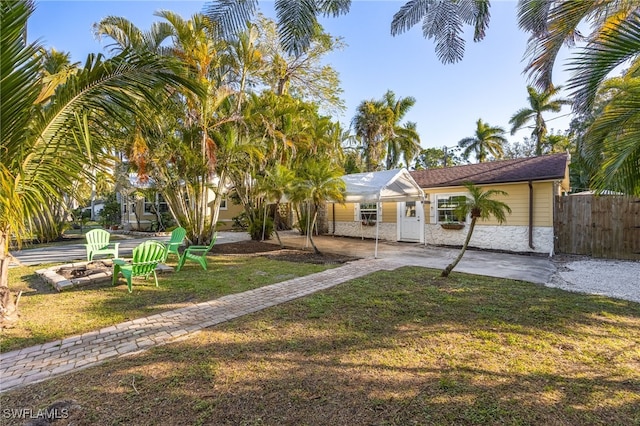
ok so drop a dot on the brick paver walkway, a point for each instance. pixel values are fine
(37, 363)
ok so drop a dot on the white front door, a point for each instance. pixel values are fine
(411, 221)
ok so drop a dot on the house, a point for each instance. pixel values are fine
(141, 203)
(531, 185)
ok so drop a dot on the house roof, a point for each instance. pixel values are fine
(544, 167)
(387, 185)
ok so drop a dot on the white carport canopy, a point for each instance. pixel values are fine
(395, 185)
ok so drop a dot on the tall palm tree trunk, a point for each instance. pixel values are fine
(310, 233)
(445, 273)
(276, 223)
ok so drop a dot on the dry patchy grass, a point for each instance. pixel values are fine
(391, 348)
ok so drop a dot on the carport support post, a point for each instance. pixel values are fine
(375, 255)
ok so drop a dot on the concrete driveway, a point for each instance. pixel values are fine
(531, 268)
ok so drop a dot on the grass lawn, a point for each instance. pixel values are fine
(47, 315)
(392, 348)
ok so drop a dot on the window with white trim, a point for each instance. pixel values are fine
(446, 205)
(148, 204)
(368, 213)
(156, 201)
(163, 207)
(223, 204)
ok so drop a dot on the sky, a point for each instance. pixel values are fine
(487, 84)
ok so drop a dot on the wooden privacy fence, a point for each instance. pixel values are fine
(606, 226)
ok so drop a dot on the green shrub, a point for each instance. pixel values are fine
(255, 229)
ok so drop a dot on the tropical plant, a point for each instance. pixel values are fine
(606, 150)
(306, 75)
(316, 183)
(176, 149)
(404, 139)
(488, 140)
(444, 21)
(373, 124)
(480, 205)
(297, 21)
(275, 185)
(554, 24)
(433, 158)
(610, 146)
(539, 103)
(612, 141)
(43, 150)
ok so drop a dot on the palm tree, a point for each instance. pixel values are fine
(554, 24)
(373, 123)
(297, 20)
(403, 139)
(539, 103)
(611, 142)
(317, 182)
(479, 205)
(42, 152)
(306, 75)
(405, 143)
(443, 21)
(125, 35)
(275, 185)
(487, 140)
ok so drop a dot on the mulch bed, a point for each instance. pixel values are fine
(273, 251)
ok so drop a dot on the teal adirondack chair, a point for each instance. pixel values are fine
(146, 257)
(177, 237)
(98, 243)
(197, 254)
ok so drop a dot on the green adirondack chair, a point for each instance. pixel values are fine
(177, 237)
(98, 243)
(197, 254)
(146, 257)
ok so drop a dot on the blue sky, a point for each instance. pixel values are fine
(488, 83)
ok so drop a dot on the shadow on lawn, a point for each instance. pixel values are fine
(392, 348)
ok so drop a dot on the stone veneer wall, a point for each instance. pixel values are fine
(508, 238)
(387, 231)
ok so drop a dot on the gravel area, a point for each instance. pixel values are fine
(613, 278)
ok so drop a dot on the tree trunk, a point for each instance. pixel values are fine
(310, 235)
(445, 273)
(4, 259)
(8, 308)
(276, 222)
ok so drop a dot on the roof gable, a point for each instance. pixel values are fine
(544, 167)
(386, 185)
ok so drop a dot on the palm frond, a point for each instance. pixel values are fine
(444, 24)
(232, 16)
(20, 82)
(543, 47)
(532, 15)
(481, 17)
(124, 33)
(334, 8)
(614, 46)
(297, 22)
(611, 142)
(409, 15)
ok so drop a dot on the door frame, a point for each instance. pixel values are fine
(419, 218)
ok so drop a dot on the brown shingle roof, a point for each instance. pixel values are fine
(544, 167)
